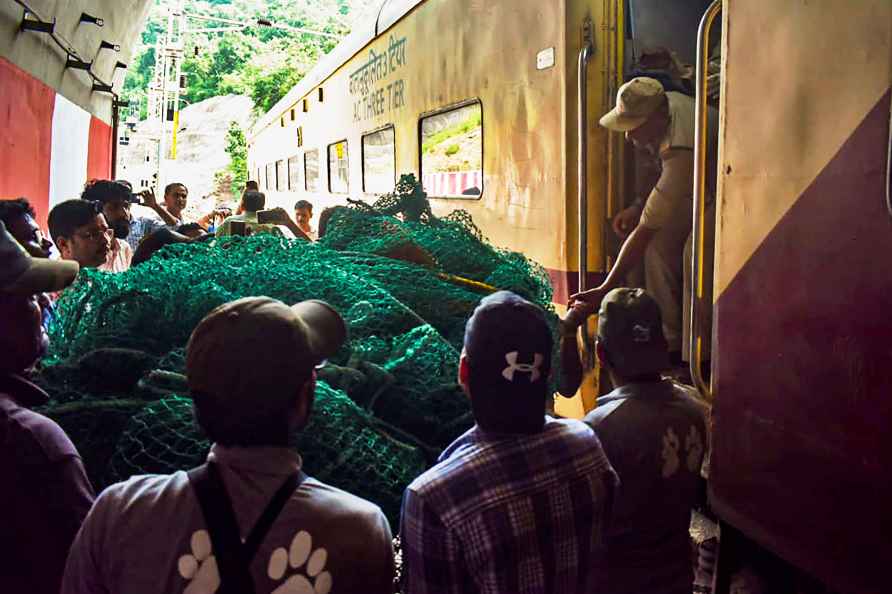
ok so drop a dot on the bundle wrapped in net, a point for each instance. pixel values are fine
(387, 403)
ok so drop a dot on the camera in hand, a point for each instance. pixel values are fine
(267, 217)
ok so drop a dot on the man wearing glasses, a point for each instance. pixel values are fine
(80, 232)
(113, 200)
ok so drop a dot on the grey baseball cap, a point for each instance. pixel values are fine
(255, 350)
(631, 329)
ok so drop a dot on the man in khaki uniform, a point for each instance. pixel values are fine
(656, 231)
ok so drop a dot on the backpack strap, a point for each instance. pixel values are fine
(234, 557)
(269, 515)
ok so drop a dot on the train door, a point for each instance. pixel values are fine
(802, 371)
(609, 42)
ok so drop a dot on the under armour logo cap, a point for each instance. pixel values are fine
(508, 343)
(514, 367)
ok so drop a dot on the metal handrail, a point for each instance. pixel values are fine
(889, 167)
(585, 55)
(701, 110)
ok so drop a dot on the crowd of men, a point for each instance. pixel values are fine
(98, 230)
(523, 502)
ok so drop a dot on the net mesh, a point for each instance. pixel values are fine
(405, 282)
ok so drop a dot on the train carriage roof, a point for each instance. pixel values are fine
(389, 13)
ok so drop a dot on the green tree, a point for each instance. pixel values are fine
(261, 62)
(206, 70)
(237, 149)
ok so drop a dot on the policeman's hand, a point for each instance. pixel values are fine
(592, 298)
(626, 220)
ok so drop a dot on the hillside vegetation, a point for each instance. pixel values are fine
(260, 62)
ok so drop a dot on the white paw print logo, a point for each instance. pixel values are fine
(693, 443)
(200, 567)
(300, 556)
(671, 443)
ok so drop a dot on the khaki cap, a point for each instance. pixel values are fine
(635, 102)
(20, 274)
(255, 352)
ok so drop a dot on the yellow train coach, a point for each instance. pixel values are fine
(493, 104)
(480, 100)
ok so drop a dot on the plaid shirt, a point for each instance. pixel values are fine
(141, 227)
(511, 514)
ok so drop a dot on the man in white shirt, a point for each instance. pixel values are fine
(252, 203)
(303, 214)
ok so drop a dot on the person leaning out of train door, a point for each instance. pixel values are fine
(662, 124)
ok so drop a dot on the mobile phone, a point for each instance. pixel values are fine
(238, 228)
(267, 216)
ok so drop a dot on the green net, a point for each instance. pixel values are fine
(405, 282)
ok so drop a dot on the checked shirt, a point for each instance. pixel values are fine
(519, 514)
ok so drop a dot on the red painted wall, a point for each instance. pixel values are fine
(100, 148)
(26, 119)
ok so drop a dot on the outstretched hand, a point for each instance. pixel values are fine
(592, 297)
(576, 316)
(626, 220)
(148, 199)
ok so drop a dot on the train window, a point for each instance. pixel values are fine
(293, 173)
(379, 161)
(452, 152)
(270, 177)
(280, 176)
(311, 170)
(338, 168)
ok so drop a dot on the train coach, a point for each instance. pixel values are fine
(494, 106)
(480, 100)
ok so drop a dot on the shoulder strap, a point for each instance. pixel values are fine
(269, 515)
(233, 557)
(223, 528)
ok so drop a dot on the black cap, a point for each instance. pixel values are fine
(104, 190)
(508, 344)
(631, 329)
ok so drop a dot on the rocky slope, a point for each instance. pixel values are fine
(201, 151)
